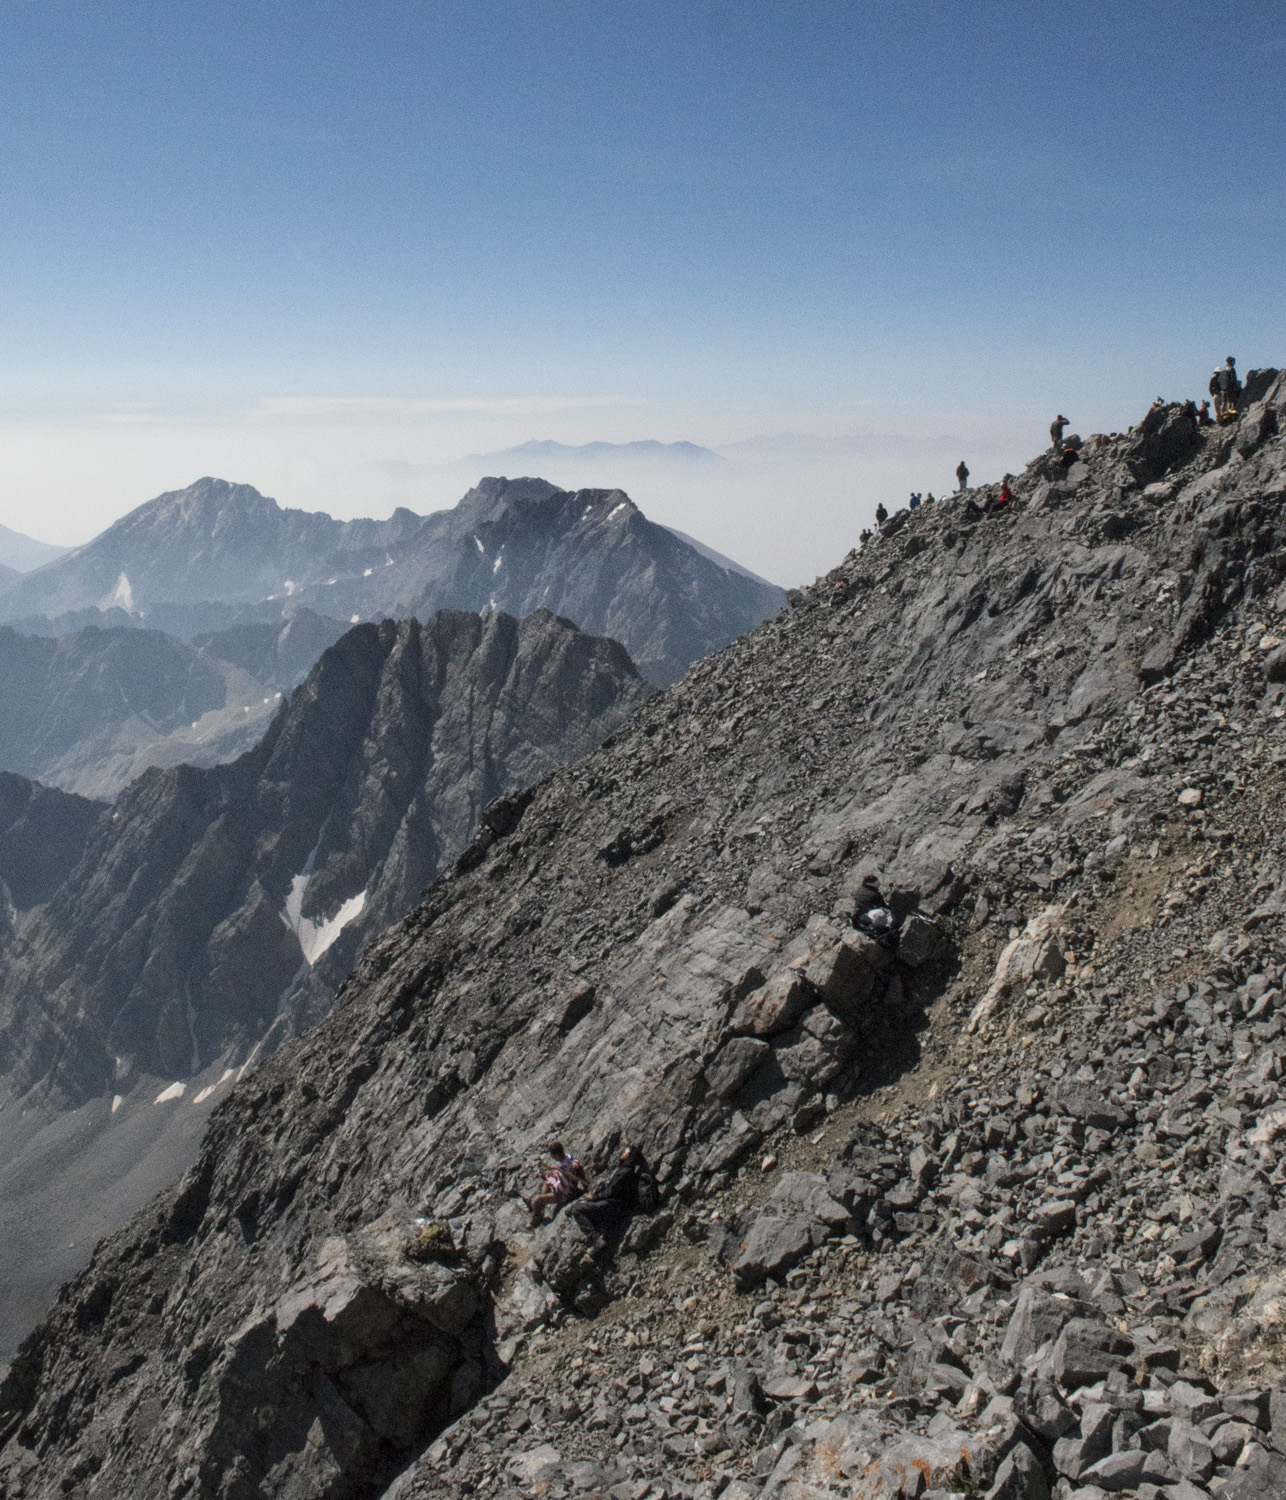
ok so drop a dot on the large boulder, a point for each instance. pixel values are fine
(359, 1363)
(774, 1006)
(1037, 1319)
(1088, 1351)
(735, 1061)
(564, 1254)
(1166, 436)
(774, 1245)
(850, 973)
(806, 1193)
(1255, 428)
(920, 941)
(1263, 1478)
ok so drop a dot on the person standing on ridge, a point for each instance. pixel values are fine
(962, 474)
(1056, 428)
(1225, 387)
(881, 515)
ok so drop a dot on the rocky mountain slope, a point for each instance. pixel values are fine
(997, 1214)
(213, 911)
(90, 710)
(216, 555)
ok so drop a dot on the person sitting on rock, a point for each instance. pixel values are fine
(562, 1183)
(871, 913)
(616, 1198)
(1069, 455)
(1203, 415)
(864, 537)
(881, 515)
(1004, 498)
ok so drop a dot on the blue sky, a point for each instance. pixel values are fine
(281, 242)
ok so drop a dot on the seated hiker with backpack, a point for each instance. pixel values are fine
(562, 1183)
(613, 1200)
(871, 913)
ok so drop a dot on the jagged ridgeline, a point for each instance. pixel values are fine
(993, 1214)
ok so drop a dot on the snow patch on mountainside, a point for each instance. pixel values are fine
(316, 937)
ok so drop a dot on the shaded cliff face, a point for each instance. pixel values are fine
(651, 947)
(164, 942)
(207, 899)
(215, 556)
(591, 555)
(43, 833)
(90, 710)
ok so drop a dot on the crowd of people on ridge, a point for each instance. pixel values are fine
(1226, 391)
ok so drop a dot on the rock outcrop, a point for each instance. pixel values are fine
(894, 1254)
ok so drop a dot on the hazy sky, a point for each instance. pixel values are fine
(280, 242)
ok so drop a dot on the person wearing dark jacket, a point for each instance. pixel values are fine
(1056, 432)
(868, 898)
(962, 474)
(614, 1199)
(881, 515)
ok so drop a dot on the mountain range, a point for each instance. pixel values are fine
(197, 560)
(90, 710)
(995, 1209)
